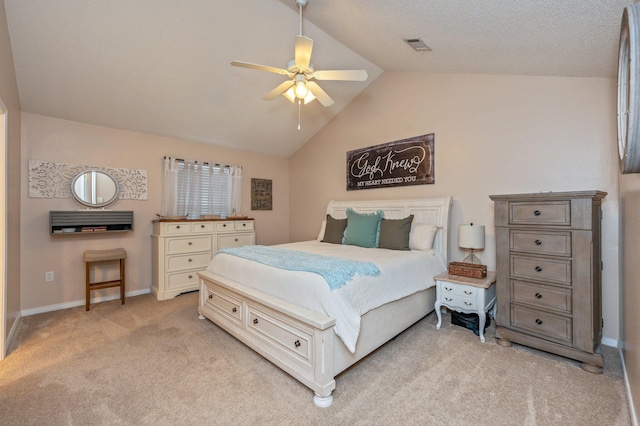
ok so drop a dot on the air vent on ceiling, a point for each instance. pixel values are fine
(417, 44)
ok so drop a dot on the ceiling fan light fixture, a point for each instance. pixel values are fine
(300, 89)
(291, 95)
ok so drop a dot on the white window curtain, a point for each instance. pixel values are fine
(197, 188)
(170, 185)
(235, 190)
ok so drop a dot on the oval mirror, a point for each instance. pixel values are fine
(94, 188)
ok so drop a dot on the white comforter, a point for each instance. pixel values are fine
(402, 273)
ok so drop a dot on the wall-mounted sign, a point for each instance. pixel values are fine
(400, 163)
(261, 194)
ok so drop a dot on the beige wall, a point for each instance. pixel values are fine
(630, 267)
(63, 141)
(493, 135)
(9, 97)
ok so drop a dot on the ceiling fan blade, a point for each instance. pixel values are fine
(261, 68)
(317, 91)
(282, 87)
(304, 46)
(349, 75)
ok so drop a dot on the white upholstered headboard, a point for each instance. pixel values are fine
(424, 210)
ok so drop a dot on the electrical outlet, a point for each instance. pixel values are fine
(48, 276)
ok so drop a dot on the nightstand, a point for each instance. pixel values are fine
(468, 295)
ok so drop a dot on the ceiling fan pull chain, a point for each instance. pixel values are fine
(299, 109)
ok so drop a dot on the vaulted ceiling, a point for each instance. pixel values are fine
(163, 66)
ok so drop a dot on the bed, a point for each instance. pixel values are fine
(263, 306)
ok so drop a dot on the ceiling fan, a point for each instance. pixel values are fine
(300, 86)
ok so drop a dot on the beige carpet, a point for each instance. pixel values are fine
(156, 363)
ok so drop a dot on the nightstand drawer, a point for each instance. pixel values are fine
(536, 268)
(542, 323)
(541, 295)
(451, 289)
(536, 242)
(540, 213)
(460, 302)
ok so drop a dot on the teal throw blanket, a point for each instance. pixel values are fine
(336, 271)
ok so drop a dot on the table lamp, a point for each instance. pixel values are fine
(472, 237)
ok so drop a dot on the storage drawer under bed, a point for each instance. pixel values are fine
(286, 335)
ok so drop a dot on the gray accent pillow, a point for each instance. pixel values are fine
(334, 230)
(394, 233)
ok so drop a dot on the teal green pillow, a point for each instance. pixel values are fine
(363, 229)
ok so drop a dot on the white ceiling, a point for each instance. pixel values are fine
(163, 66)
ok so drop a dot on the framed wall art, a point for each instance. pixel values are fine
(400, 163)
(261, 194)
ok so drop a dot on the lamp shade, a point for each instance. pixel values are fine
(471, 236)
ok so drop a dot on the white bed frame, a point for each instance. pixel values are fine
(302, 342)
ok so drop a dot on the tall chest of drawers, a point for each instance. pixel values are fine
(548, 267)
(182, 248)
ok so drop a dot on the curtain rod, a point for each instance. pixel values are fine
(203, 162)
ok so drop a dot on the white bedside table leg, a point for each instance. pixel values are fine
(438, 308)
(483, 319)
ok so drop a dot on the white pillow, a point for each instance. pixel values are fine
(422, 236)
(322, 227)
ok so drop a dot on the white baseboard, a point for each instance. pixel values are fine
(66, 305)
(632, 410)
(609, 342)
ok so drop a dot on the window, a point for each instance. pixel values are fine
(203, 189)
(197, 188)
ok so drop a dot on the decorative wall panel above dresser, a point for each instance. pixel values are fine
(549, 289)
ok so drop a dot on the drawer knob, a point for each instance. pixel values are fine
(297, 343)
(190, 243)
(255, 320)
(236, 240)
(224, 225)
(537, 212)
(190, 276)
(178, 227)
(190, 260)
(202, 226)
(234, 310)
(539, 269)
(538, 296)
(538, 242)
(538, 321)
(211, 296)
